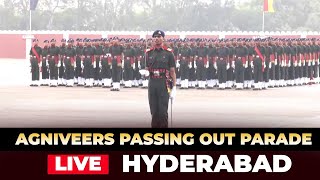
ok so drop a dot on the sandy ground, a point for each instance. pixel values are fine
(24, 106)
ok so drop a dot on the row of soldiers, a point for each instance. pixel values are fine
(241, 63)
(89, 62)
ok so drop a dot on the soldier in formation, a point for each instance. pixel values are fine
(237, 63)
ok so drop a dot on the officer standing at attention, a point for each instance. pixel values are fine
(35, 60)
(162, 80)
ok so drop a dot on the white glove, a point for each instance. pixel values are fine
(190, 65)
(289, 63)
(207, 65)
(94, 64)
(251, 63)
(233, 65)
(313, 62)
(139, 66)
(59, 64)
(173, 93)
(270, 65)
(122, 64)
(82, 66)
(195, 65)
(275, 61)
(215, 65)
(100, 63)
(228, 65)
(178, 64)
(133, 65)
(264, 65)
(144, 72)
(309, 63)
(282, 63)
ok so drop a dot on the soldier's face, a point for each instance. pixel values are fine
(158, 40)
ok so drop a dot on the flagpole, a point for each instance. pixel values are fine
(30, 20)
(262, 20)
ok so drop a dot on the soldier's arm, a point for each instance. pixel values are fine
(172, 66)
(40, 53)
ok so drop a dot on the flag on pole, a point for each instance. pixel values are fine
(268, 6)
(33, 4)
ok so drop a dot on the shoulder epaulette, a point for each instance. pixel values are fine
(149, 49)
(168, 49)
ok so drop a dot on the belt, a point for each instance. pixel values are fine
(157, 76)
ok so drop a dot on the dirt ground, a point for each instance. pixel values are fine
(24, 106)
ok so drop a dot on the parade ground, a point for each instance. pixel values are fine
(25, 106)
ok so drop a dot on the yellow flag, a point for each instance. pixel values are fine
(268, 6)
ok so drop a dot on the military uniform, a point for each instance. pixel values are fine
(185, 64)
(35, 61)
(159, 62)
(211, 70)
(248, 75)
(88, 60)
(230, 67)
(79, 63)
(97, 63)
(61, 68)
(128, 65)
(201, 65)
(143, 66)
(258, 66)
(222, 61)
(241, 62)
(106, 67)
(45, 65)
(192, 70)
(53, 63)
(69, 63)
(272, 72)
(292, 64)
(316, 58)
(138, 58)
(267, 65)
(116, 51)
(278, 68)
